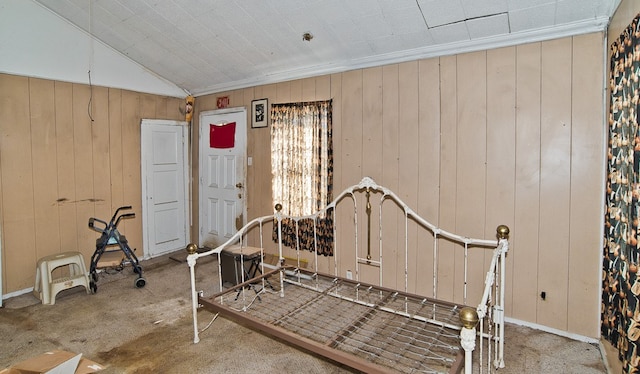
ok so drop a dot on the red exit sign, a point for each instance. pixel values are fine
(223, 102)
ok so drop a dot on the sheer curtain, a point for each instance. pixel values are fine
(302, 171)
(620, 319)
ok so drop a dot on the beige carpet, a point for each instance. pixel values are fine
(149, 330)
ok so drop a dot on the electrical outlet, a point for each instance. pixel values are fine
(349, 274)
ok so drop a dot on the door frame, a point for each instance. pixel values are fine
(186, 179)
(201, 138)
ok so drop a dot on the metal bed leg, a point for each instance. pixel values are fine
(469, 319)
(191, 261)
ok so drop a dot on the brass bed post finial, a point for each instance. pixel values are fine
(469, 317)
(502, 232)
(191, 248)
(278, 207)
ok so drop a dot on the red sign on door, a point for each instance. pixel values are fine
(223, 135)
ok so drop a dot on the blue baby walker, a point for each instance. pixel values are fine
(111, 240)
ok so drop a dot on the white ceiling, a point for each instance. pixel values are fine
(207, 46)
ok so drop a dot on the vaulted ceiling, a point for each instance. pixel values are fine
(207, 46)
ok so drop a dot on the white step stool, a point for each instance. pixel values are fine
(47, 288)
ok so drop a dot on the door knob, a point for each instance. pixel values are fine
(239, 185)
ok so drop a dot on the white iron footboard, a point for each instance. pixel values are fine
(489, 311)
(237, 239)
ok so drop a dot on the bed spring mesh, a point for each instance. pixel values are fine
(403, 332)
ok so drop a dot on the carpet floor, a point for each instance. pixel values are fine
(149, 330)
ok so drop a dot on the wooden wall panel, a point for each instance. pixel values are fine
(247, 95)
(587, 151)
(250, 178)
(323, 88)
(131, 116)
(525, 237)
(147, 110)
(252, 138)
(336, 95)
(471, 165)
(262, 162)
(371, 161)
(308, 89)
(501, 143)
(390, 165)
(83, 166)
(18, 224)
(43, 144)
(283, 92)
(409, 170)
(371, 123)
(429, 138)
(429, 162)
(236, 98)
(115, 152)
(202, 104)
(65, 160)
(555, 168)
(352, 129)
(351, 160)
(161, 107)
(295, 91)
(100, 143)
(448, 161)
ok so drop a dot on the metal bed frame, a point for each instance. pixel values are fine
(369, 327)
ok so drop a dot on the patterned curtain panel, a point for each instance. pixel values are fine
(302, 172)
(620, 322)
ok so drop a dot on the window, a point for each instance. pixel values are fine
(302, 170)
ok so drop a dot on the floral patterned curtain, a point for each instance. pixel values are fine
(620, 319)
(302, 172)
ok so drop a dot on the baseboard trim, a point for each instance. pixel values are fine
(17, 293)
(551, 330)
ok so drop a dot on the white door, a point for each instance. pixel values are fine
(164, 186)
(222, 174)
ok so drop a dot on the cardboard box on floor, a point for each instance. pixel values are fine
(55, 362)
